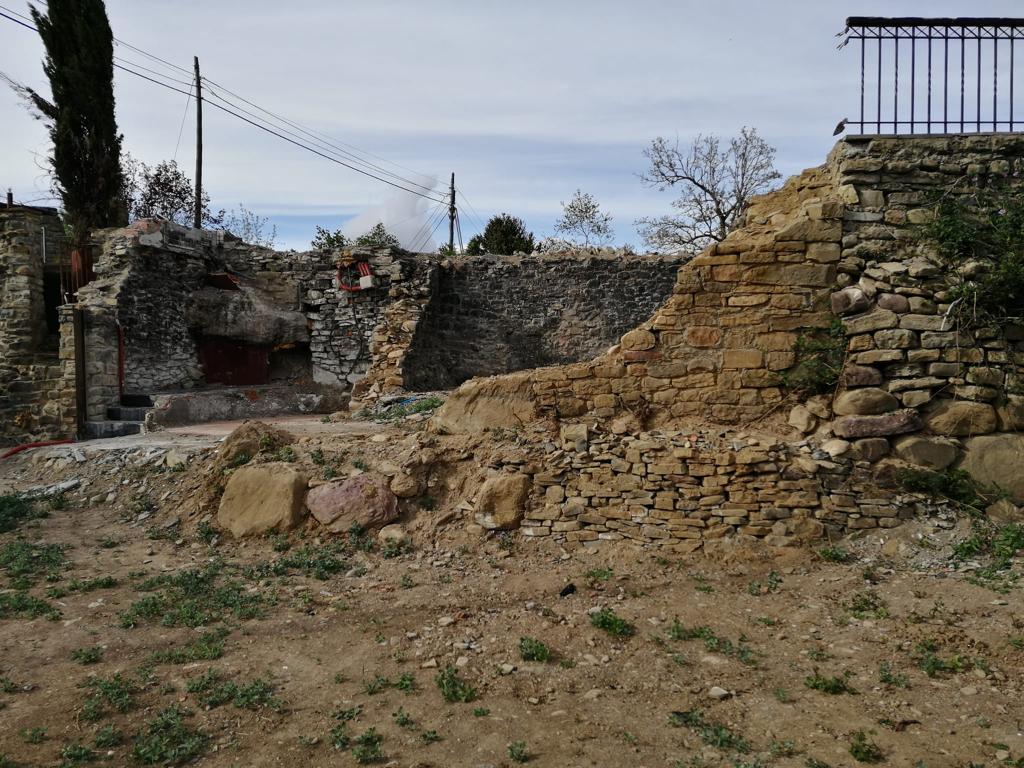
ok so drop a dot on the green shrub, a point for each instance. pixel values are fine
(820, 354)
(953, 484)
(14, 510)
(863, 750)
(167, 740)
(606, 620)
(532, 649)
(453, 688)
(517, 752)
(830, 685)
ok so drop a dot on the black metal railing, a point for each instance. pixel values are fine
(935, 75)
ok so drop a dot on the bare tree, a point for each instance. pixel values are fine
(715, 185)
(583, 222)
(250, 227)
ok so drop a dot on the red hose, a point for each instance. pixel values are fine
(41, 444)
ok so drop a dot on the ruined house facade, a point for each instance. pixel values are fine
(184, 325)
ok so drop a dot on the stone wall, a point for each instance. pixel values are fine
(497, 314)
(839, 244)
(30, 372)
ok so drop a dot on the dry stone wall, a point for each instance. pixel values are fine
(496, 314)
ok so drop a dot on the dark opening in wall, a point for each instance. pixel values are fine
(234, 363)
(52, 299)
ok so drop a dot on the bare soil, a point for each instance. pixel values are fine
(927, 666)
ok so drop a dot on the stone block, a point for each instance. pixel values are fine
(960, 418)
(883, 425)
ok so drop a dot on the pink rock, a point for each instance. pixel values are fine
(366, 500)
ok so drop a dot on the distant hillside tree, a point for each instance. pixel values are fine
(504, 235)
(583, 222)
(715, 184)
(79, 64)
(378, 237)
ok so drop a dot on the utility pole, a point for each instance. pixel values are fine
(198, 219)
(451, 219)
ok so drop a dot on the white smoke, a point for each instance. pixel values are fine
(408, 217)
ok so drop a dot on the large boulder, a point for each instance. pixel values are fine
(248, 440)
(263, 498)
(882, 425)
(995, 461)
(364, 500)
(930, 452)
(869, 401)
(961, 418)
(481, 404)
(501, 501)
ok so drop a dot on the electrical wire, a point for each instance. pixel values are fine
(253, 123)
(181, 128)
(430, 227)
(425, 226)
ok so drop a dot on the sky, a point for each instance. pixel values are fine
(526, 102)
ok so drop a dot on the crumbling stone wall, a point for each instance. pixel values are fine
(30, 372)
(496, 314)
(839, 242)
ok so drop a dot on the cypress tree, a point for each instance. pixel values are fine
(86, 160)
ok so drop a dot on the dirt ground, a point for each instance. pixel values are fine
(747, 657)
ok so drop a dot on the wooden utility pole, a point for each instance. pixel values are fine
(451, 219)
(198, 219)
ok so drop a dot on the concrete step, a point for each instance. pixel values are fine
(127, 413)
(101, 429)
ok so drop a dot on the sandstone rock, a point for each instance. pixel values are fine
(405, 486)
(875, 320)
(501, 501)
(895, 423)
(835, 448)
(1004, 512)
(868, 401)
(1011, 414)
(861, 376)
(263, 498)
(871, 448)
(849, 300)
(802, 419)
(894, 302)
(249, 440)
(995, 461)
(480, 404)
(365, 500)
(639, 340)
(960, 418)
(391, 533)
(930, 452)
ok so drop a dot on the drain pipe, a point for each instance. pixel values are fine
(27, 446)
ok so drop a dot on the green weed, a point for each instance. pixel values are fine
(606, 620)
(531, 649)
(167, 740)
(453, 688)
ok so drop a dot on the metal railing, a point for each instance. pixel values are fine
(948, 75)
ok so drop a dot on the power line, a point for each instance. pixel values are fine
(477, 219)
(425, 226)
(426, 232)
(235, 114)
(181, 128)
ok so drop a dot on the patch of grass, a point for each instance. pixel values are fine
(712, 734)
(316, 562)
(833, 686)
(27, 563)
(167, 740)
(406, 682)
(606, 620)
(366, 747)
(348, 715)
(834, 554)
(782, 696)
(286, 454)
(33, 735)
(193, 598)
(402, 718)
(481, 712)
(863, 750)
(22, 605)
(933, 665)
(376, 685)
(108, 736)
(393, 548)
(213, 691)
(206, 533)
(117, 692)
(207, 647)
(429, 737)
(769, 585)
(712, 642)
(339, 737)
(867, 604)
(92, 655)
(532, 649)
(888, 676)
(76, 754)
(595, 575)
(453, 688)
(402, 410)
(517, 752)
(14, 510)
